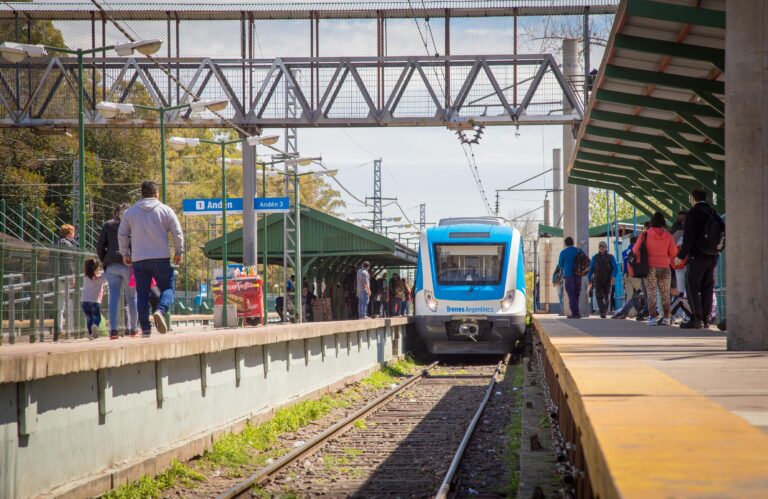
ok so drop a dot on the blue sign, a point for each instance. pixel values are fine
(271, 205)
(234, 206)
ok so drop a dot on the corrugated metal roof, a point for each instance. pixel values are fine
(654, 126)
(336, 10)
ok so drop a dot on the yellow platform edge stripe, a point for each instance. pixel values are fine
(647, 435)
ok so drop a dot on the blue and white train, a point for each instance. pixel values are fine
(470, 287)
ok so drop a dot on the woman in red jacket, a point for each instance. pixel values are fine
(661, 251)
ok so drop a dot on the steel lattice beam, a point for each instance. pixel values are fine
(413, 90)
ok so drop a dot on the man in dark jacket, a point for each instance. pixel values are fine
(118, 274)
(701, 264)
(602, 274)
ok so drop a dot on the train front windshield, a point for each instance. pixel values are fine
(469, 264)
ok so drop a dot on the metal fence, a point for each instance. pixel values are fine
(40, 292)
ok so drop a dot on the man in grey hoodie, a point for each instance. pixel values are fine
(143, 241)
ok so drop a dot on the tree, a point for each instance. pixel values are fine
(598, 205)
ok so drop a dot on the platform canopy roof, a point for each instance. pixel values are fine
(655, 124)
(329, 245)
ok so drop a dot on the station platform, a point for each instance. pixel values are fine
(658, 411)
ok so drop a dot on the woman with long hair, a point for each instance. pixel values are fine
(118, 276)
(661, 251)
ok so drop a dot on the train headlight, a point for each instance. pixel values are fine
(430, 299)
(509, 299)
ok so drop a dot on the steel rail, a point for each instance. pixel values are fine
(445, 487)
(315, 444)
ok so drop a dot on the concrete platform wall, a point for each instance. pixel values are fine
(73, 433)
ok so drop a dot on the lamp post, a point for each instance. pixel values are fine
(181, 143)
(16, 52)
(111, 110)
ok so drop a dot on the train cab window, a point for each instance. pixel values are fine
(468, 264)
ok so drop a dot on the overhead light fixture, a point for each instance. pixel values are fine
(396, 219)
(267, 140)
(112, 109)
(181, 143)
(215, 105)
(234, 161)
(144, 47)
(17, 52)
(331, 173)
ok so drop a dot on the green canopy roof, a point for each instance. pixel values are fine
(328, 244)
(654, 128)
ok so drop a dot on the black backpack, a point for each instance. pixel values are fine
(640, 267)
(602, 268)
(712, 239)
(581, 265)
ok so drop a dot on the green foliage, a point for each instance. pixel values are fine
(390, 374)
(236, 449)
(514, 431)
(598, 205)
(360, 424)
(154, 487)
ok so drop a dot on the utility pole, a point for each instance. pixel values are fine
(378, 217)
(291, 219)
(377, 210)
(422, 217)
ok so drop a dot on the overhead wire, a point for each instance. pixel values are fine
(472, 163)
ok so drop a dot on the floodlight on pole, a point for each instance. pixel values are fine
(111, 110)
(144, 47)
(181, 143)
(17, 52)
(215, 105)
(267, 140)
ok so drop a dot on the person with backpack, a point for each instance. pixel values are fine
(602, 275)
(655, 248)
(703, 241)
(575, 265)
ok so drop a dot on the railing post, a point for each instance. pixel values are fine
(12, 312)
(2, 271)
(56, 295)
(21, 220)
(67, 308)
(3, 224)
(41, 301)
(33, 286)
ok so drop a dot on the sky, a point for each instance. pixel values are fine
(420, 165)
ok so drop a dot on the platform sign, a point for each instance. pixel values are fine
(211, 206)
(234, 206)
(272, 205)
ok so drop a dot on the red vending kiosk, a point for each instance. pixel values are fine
(246, 293)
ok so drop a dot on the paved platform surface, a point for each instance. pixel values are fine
(663, 412)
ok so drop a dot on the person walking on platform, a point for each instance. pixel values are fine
(143, 240)
(118, 275)
(602, 275)
(363, 287)
(568, 262)
(660, 249)
(703, 241)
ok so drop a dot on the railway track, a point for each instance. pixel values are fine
(409, 442)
